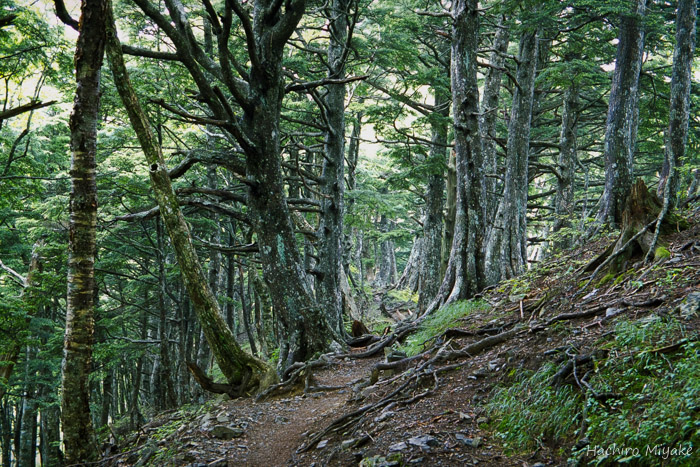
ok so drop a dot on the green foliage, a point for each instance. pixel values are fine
(530, 411)
(661, 253)
(446, 317)
(660, 395)
(405, 295)
(657, 407)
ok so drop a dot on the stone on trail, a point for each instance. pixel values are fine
(423, 441)
(226, 432)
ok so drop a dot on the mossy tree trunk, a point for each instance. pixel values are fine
(237, 366)
(623, 112)
(78, 432)
(679, 110)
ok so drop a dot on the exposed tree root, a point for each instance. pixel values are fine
(413, 381)
(293, 376)
(209, 385)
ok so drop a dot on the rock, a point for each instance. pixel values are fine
(280, 420)
(471, 442)
(539, 464)
(481, 420)
(348, 443)
(417, 460)
(226, 432)
(516, 298)
(610, 312)
(145, 455)
(691, 305)
(322, 444)
(398, 447)
(464, 417)
(223, 418)
(379, 461)
(423, 441)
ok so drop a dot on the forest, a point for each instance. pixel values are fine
(209, 200)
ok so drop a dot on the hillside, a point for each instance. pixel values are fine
(534, 372)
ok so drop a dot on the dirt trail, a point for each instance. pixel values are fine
(280, 425)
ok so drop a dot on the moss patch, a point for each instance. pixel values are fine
(661, 253)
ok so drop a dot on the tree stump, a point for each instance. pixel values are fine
(642, 208)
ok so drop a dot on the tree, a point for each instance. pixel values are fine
(465, 273)
(679, 111)
(332, 177)
(239, 368)
(623, 115)
(258, 92)
(78, 434)
(506, 249)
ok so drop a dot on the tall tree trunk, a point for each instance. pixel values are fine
(245, 308)
(27, 452)
(236, 365)
(564, 199)
(107, 395)
(135, 417)
(506, 254)
(451, 205)
(78, 433)
(411, 275)
(489, 110)
(623, 113)
(166, 390)
(332, 176)
(51, 455)
(465, 269)
(5, 433)
(679, 111)
(430, 271)
(304, 322)
(386, 275)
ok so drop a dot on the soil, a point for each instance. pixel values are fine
(442, 420)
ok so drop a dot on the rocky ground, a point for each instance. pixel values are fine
(430, 410)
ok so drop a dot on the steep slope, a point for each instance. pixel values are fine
(536, 371)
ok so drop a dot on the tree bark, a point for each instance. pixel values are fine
(236, 365)
(623, 112)
(430, 270)
(386, 275)
(332, 176)
(78, 433)
(489, 110)
(564, 202)
(679, 111)
(27, 453)
(507, 244)
(451, 208)
(465, 273)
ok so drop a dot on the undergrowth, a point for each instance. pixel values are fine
(438, 322)
(657, 410)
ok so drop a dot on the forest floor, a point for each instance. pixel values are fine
(434, 411)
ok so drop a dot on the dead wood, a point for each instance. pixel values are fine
(568, 368)
(643, 221)
(363, 341)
